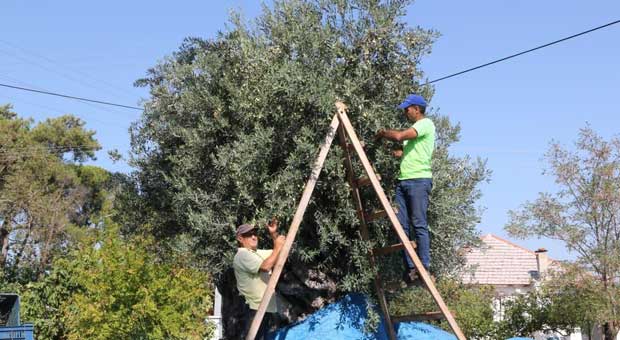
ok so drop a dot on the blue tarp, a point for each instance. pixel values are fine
(345, 320)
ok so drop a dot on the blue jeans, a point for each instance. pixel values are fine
(412, 197)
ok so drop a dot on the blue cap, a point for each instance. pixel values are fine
(412, 99)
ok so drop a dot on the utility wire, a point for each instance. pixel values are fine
(524, 52)
(70, 97)
(427, 83)
(94, 83)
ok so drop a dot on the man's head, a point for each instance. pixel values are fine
(414, 107)
(247, 237)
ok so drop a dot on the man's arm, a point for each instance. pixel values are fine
(397, 135)
(278, 242)
(269, 262)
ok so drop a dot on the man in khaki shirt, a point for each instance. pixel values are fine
(252, 270)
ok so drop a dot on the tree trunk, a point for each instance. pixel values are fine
(4, 243)
(22, 247)
(304, 291)
(609, 331)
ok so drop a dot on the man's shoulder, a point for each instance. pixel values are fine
(244, 253)
(424, 126)
(427, 121)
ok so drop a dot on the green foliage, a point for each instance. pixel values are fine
(582, 213)
(126, 293)
(98, 186)
(111, 288)
(43, 302)
(76, 280)
(233, 125)
(471, 306)
(42, 195)
(564, 302)
(66, 134)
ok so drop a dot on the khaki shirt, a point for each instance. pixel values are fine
(251, 281)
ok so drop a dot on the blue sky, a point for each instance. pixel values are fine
(508, 112)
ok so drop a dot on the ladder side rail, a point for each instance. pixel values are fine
(396, 224)
(357, 200)
(290, 237)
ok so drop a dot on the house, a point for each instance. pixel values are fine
(508, 267)
(511, 270)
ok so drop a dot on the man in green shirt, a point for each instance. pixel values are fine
(415, 178)
(252, 270)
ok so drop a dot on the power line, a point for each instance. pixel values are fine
(70, 97)
(429, 82)
(524, 52)
(94, 84)
(53, 109)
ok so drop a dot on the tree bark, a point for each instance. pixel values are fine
(22, 247)
(303, 291)
(4, 242)
(609, 333)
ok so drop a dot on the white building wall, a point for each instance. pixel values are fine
(216, 318)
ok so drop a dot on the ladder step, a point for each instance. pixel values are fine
(419, 317)
(363, 181)
(375, 215)
(352, 148)
(390, 249)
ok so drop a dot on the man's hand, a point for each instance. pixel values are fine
(279, 242)
(380, 134)
(397, 153)
(272, 227)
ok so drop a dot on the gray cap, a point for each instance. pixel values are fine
(244, 228)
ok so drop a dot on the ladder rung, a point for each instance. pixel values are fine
(419, 317)
(390, 249)
(375, 215)
(350, 146)
(362, 181)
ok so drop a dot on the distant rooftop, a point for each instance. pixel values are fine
(502, 263)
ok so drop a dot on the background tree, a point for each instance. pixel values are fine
(77, 276)
(583, 214)
(565, 301)
(234, 123)
(112, 288)
(126, 293)
(44, 189)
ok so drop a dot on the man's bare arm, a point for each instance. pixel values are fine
(397, 135)
(269, 262)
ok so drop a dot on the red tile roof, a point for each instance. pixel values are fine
(500, 262)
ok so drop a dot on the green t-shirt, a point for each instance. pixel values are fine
(251, 281)
(417, 152)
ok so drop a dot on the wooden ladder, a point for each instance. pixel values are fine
(341, 126)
